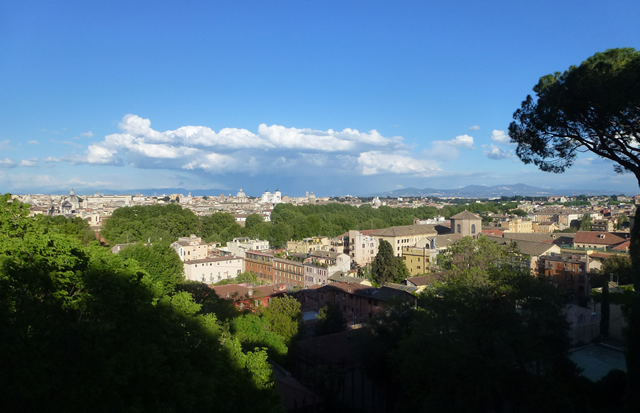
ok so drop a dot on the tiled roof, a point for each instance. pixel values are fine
(343, 278)
(405, 230)
(213, 259)
(427, 279)
(239, 291)
(526, 247)
(466, 215)
(598, 238)
(324, 254)
(624, 246)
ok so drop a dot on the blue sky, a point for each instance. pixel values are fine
(335, 97)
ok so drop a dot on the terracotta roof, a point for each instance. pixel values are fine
(427, 279)
(324, 254)
(601, 256)
(405, 230)
(341, 277)
(466, 215)
(596, 237)
(624, 246)
(213, 259)
(532, 248)
(495, 232)
(239, 291)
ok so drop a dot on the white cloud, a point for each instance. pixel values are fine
(474, 128)
(100, 155)
(230, 149)
(495, 153)
(462, 141)
(449, 149)
(499, 137)
(214, 162)
(87, 134)
(33, 143)
(5, 144)
(584, 161)
(7, 163)
(28, 162)
(376, 162)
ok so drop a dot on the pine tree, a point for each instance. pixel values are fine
(384, 267)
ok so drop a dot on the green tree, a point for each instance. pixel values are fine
(618, 268)
(593, 107)
(73, 226)
(585, 223)
(252, 221)
(474, 347)
(285, 317)
(159, 260)
(247, 277)
(384, 267)
(403, 271)
(253, 331)
(471, 259)
(331, 320)
(70, 313)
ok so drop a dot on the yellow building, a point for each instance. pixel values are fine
(308, 245)
(404, 236)
(416, 259)
(517, 226)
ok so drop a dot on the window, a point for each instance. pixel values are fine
(473, 228)
(458, 229)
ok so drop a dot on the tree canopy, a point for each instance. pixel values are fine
(488, 337)
(87, 330)
(591, 107)
(384, 267)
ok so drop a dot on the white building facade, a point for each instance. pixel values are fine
(213, 270)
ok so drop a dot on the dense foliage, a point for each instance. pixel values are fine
(168, 222)
(591, 107)
(489, 337)
(75, 227)
(87, 330)
(386, 267)
(330, 320)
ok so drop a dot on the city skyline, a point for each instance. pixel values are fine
(334, 98)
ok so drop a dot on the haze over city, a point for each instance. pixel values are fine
(334, 97)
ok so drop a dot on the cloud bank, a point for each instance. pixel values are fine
(199, 148)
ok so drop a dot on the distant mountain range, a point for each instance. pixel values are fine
(482, 191)
(165, 191)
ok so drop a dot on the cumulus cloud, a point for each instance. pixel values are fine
(6, 163)
(100, 155)
(499, 137)
(449, 149)
(462, 141)
(231, 149)
(376, 162)
(28, 162)
(33, 143)
(87, 134)
(474, 128)
(496, 153)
